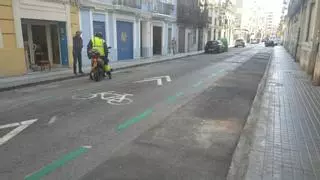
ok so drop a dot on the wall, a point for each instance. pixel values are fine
(316, 74)
(72, 27)
(11, 58)
(86, 34)
(306, 49)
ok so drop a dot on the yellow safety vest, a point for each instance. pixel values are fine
(98, 45)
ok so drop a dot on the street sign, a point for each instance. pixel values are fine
(19, 126)
(158, 79)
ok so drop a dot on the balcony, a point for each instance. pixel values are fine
(128, 3)
(193, 15)
(162, 7)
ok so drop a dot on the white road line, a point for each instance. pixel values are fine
(21, 126)
(28, 122)
(159, 82)
(52, 120)
(158, 79)
(168, 78)
(9, 125)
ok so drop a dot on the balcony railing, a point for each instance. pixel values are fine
(128, 3)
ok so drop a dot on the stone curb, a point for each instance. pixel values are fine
(240, 159)
(72, 76)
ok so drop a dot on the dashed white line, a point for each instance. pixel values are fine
(52, 120)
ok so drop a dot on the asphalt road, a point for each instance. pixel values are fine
(128, 128)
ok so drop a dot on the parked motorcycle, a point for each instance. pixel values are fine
(98, 68)
(97, 65)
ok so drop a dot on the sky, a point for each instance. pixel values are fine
(274, 6)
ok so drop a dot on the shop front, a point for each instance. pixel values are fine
(45, 42)
(46, 33)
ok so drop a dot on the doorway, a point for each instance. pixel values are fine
(125, 40)
(157, 40)
(40, 43)
(55, 39)
(99, 27)
(170, 45)
(182, 40)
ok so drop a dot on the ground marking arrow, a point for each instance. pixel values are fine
(20, 126)
(158, 79)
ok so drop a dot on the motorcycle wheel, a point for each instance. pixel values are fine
(91, 75)
(96, 76)
(99, 74)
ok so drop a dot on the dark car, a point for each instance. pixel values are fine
(215, 46)
(268, 43)
(240, 42)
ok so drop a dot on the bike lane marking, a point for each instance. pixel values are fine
(197, 84)
(134, 120)
(111, 97)
(173, 98)
(57, 163)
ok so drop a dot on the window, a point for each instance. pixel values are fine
(194, 36)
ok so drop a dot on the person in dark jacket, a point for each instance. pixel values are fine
(77, 49)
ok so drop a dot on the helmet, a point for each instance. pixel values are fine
(98, 34)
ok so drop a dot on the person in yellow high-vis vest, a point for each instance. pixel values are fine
(97, 43)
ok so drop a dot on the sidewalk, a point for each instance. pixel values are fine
(47, 77)
(282, 131)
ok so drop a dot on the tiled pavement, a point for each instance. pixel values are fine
(287, 141)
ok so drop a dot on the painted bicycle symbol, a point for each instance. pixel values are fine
(111, 97)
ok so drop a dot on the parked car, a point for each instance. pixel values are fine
(240, 42)
(277, 42)
(215, 46)
(254, 41)
(269, 43)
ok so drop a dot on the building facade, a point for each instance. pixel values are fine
(302, 30)
(133, 28)
(192, 19)
(34, 31)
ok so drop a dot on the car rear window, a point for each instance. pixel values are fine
(212, 42)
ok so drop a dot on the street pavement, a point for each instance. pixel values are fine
(179, 119)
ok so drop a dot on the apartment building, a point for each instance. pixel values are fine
(302, 35)
(133, 28)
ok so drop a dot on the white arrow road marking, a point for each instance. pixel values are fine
(158, 79)
(21, 126)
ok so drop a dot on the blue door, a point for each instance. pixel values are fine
(63, 43)
(125, 40)
(99, 27)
